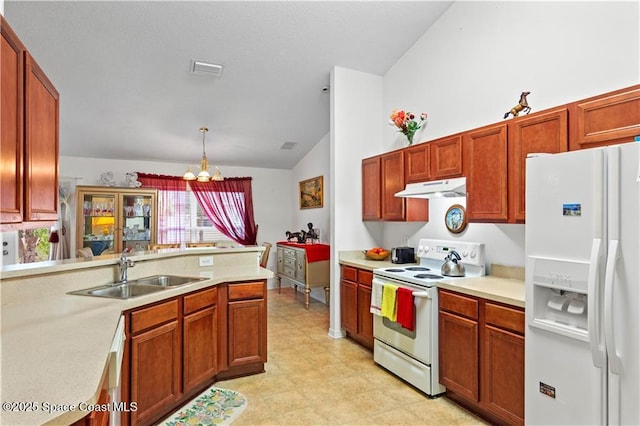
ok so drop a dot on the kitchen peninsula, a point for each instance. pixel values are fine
(55, 346)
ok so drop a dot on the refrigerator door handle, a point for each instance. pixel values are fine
(615, 362)
(597, 350)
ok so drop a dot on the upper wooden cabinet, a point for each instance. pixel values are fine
(417, 163)
(371, 206)
(438, 159)
(446, 157)
(42, 111)
(30, 142)
(382, 177)
(485, 159)
(546, 132)
(392, 175)
(11, 124)
(493, 157)
(606, 119)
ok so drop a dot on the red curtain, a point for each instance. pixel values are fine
(229, 206)
(172, 197)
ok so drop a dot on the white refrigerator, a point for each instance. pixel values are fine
(582, 357)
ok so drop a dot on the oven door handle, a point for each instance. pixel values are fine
(422, 294)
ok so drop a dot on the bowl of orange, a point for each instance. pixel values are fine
(377, 253)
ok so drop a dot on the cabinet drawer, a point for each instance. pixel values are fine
(365, 277)
(290, 262)
(505, 317)
(155, 315)
(349, 273)
(289, 252)
(290, 272)
(202, 299)
(254, 290)
(459, 304)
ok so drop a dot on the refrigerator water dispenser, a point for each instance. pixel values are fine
(560, 296)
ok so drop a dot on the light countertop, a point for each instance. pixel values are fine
(506, 286)
(356, 259)
(55, 348)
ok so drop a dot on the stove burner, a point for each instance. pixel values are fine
(428, 276)
(394, 270)
(417, 268)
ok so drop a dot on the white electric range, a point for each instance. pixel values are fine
(413, 355)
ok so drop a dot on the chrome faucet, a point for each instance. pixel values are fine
(124, 265)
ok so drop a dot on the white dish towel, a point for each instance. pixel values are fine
(376, 298)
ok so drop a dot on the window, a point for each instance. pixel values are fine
(181, 218)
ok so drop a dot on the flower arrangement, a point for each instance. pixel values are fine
(406, 123)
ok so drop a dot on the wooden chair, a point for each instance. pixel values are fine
(84, 252)
(163, 246)
(202, 244)
(265, 255)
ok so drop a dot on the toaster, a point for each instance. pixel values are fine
(403, 255)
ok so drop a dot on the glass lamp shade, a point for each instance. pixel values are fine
(217, 176)
(189, 175)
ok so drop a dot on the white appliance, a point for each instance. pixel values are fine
(582, 299)
(413, 355)
(115, 370)
(455, 187)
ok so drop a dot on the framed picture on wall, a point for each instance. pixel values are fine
(311, 193)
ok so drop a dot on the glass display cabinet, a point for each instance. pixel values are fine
(110, 219)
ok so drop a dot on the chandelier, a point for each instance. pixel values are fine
(204, 175)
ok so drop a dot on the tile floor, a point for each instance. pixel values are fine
(312, 379)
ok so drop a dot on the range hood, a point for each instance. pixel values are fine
(456, 187)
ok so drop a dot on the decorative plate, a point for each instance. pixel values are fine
(455, 219)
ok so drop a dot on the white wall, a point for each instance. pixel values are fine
(271, 189)
(315, 163)
(356, 97)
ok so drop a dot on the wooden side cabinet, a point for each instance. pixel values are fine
(481, 349)
(355, 301)
(294, 265)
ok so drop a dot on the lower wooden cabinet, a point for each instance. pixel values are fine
(355, 302)
(156, 360)
(247, 328)
(481, 350)
(200, 336)
(178, 347)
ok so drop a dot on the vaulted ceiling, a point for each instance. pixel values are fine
(123, 71)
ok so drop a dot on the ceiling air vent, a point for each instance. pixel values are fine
(206, 68)
(288, 145)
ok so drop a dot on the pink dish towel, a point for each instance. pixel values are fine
(405, 308)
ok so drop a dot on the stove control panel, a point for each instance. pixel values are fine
(471, 253)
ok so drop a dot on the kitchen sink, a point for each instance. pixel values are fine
(122, 291)
(136, 288)
(166, 280)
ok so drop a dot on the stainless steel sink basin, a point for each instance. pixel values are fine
(135, 288)
(122, 291)
(166, 280)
